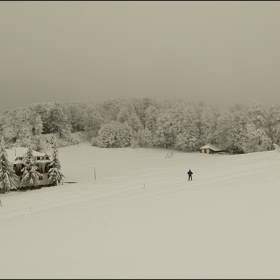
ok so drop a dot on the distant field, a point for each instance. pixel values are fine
(150, 166)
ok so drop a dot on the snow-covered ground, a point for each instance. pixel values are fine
(132, 213)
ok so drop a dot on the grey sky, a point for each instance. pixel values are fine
(219, 52)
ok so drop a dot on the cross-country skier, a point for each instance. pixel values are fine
(190, 173)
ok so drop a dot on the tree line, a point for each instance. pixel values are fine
(146, 122)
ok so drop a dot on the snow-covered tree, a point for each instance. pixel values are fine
(30, 176)
(128, 114)
(16, 124)
(109, 109)
(164, 135)
(54, 172)
(8, 178)
(257, 130)
(151, 114)
(36, 124)
(140, 106)
(185, 127)
(114, 135)
(273, 120)
(255, 139)
(208, 125)
(145, 137)
(42, 110)
(258, 115)
(134, 122)
(93, 123)
(187, 141)
(58, 120)
(231, 128)
(8, 131)
(76, 115)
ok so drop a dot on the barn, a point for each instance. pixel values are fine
(16, 155)
(211, 149)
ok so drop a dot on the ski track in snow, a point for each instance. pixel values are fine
(141, 208)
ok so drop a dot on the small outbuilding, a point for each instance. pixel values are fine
(211, 149)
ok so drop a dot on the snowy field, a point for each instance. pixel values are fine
(137, 216)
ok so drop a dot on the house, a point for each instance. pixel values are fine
(211, 149)
(16, 155)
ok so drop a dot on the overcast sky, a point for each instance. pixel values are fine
(218, 52)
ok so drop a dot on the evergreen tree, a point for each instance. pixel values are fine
(30, 176)
(55, 175)
(8, 178)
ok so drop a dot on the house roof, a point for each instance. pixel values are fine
(213, 147)
(15, 153)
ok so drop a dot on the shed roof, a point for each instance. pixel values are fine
(213, 147)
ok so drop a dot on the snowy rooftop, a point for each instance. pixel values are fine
(15, 153)
(213, 147)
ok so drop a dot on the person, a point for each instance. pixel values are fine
(190, 173)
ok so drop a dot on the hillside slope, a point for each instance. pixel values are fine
(132, 213)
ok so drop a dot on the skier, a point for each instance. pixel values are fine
(190, 173)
